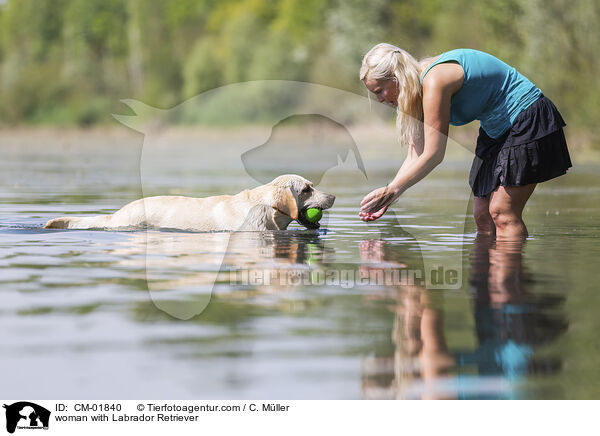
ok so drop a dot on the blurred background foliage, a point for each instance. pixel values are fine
(71, 61)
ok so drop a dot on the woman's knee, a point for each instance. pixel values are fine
(503, 217)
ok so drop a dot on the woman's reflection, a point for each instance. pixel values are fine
(509, 323)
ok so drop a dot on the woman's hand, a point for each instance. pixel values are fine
(376, 203)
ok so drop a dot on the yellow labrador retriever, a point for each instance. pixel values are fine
(268, 207)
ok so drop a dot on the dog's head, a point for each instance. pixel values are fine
(292, 195)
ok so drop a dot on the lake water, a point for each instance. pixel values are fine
(159, 314)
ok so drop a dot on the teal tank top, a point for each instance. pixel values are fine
(492, 92)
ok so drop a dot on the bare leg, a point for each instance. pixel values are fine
(483, 219)
(506, 209)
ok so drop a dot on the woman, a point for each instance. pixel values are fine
(521, 140)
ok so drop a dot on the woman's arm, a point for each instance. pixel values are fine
(438, 89)
(436, 118)
(414, 151)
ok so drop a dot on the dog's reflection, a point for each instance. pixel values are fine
(509, 323)
(177, 261)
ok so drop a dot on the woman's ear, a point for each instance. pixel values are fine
(285, 202)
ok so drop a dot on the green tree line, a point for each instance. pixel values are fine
(71, 61)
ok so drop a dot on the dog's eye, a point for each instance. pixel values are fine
(306, 189)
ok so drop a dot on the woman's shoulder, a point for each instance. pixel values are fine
(448, 69)
(463, 53)
(458, 55)
(445, 77)
(467, 58)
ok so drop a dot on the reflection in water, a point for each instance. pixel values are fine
(183, 270)
(509, 321)
(509, 325)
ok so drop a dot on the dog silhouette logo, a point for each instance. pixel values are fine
(26, 415)
(300, 128)
(319, 147)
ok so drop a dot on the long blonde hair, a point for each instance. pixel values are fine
(385, 62)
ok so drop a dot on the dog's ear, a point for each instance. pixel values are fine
(284, 201)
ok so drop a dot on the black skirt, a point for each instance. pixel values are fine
(533, 150)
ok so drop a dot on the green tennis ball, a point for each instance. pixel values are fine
(314, 215)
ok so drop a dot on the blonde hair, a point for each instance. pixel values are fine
(386, 62)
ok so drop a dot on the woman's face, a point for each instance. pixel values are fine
(386, 91)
